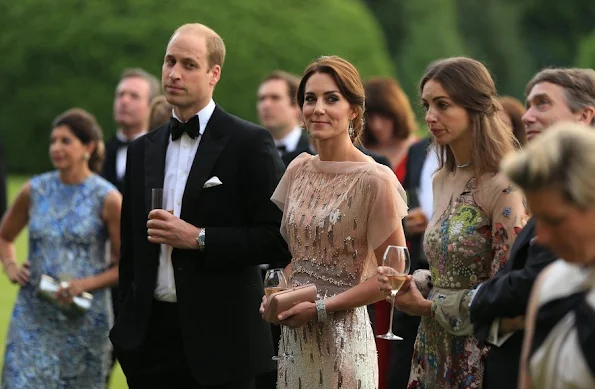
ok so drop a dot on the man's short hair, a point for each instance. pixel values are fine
(578, 84)
(291, 80)
(215, 44)
(154, 87)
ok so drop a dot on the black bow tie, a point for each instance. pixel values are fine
(122, 143)
(282, 149)
(178, 128)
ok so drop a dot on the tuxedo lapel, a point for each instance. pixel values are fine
(212, 143)
(156, 143)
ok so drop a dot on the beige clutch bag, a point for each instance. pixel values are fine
(282, 301)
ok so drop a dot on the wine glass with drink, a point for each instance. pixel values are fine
(397, 263)
(275, 281)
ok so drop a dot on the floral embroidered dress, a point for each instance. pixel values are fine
(46, 348)
(334, 215)
(474, 224)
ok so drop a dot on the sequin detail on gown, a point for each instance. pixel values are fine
(327, 214)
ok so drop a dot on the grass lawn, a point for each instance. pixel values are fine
(8, 291)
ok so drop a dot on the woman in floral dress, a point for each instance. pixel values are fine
(477, 216)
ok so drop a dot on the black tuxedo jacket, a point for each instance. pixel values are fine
(507, 295)
(109, 164)
(303, 146)
(220, 289)
(416, 158)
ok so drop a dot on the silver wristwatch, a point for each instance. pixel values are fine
(200, 239)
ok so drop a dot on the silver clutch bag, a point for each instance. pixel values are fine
(47, 289)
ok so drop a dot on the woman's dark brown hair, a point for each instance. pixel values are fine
(515, 111)
(385, 97)
(85, 127)
(469, 84)
(348, 81)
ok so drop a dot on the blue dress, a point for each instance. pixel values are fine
(46, 348)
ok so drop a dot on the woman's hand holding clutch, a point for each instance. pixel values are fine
(298, 315)
(70, 289)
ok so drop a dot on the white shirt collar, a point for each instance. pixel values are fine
(291, 140)
(204, 115)
(120, 135)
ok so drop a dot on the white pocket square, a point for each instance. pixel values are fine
(211, 182)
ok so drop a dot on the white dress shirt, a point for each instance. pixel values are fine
(122, 152)
(425, 194)
(290, 142)
(178, 161)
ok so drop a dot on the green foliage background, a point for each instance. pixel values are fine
(70, 53)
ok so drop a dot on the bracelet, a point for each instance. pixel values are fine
(321, 311)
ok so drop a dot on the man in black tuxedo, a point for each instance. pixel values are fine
(499, 305)
(190, 285)
(131, 105)
(422, 162)
(132, 102)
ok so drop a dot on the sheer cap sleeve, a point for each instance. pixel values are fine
(281, 193)
(388, 208)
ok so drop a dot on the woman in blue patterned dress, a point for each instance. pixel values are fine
(71, 212)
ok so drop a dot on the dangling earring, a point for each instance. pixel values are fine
(86, 156)
(351, 130)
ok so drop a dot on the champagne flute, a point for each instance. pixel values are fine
(275, 281)
(397, 263)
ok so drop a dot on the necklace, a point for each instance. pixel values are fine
(463, 165)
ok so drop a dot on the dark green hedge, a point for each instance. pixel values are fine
(70, 53)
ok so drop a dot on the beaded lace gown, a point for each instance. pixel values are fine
(334, 215)
(46, 348)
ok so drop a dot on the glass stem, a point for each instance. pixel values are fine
(392, 311)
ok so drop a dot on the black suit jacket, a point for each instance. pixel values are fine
(218, 290)
(416, 158)
(303, 146)
(109, 164)
(507, 295)
(3, 178)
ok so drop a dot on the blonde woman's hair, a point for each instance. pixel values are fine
(563, 157)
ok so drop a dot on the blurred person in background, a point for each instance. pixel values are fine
(132, 103)
(71, 212)
(133, 95)
(500, 304)
(512, 114)
(160, 112)
(279, 113)
(389, 123)
(389, 131)
(476, 219)
(555, 171)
